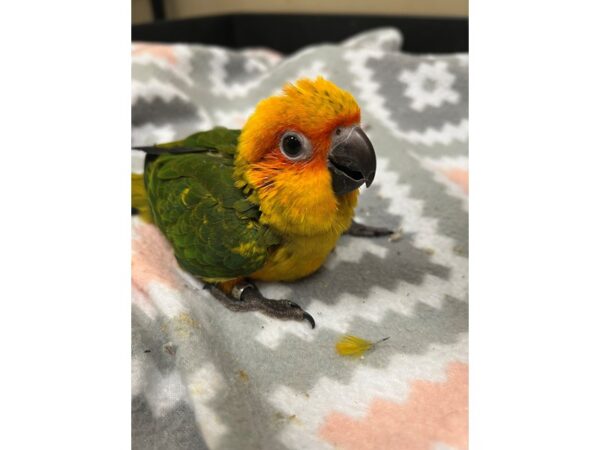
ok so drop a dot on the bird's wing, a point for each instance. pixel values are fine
(213, 227)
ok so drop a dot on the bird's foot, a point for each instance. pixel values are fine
(246, 297)
(360, 230)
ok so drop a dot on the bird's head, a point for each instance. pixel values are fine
(303, 151)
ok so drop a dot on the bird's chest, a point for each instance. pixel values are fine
(297, 257)
(310, 226)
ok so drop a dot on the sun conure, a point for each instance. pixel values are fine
(268, 203)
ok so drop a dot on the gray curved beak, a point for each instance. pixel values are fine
(352, 160)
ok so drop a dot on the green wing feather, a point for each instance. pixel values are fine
(212, 226)
(221, 139)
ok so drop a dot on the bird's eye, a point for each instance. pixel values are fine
(294, 146)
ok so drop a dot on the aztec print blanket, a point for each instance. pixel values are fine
(204, 377)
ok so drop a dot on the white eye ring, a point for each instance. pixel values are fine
(295, 146)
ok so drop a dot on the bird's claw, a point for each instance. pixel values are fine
(310, 319)
(284, 309)
(361, 230)
(246, 297)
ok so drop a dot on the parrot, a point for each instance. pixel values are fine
(266, 203)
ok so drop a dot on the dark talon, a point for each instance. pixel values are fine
(310, 319)
(360, 230)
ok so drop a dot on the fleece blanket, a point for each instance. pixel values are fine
(204, 377)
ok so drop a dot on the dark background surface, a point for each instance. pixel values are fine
(287, 33)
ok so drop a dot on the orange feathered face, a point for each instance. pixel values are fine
(304, 149)
(313, 109)
(311, 129)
